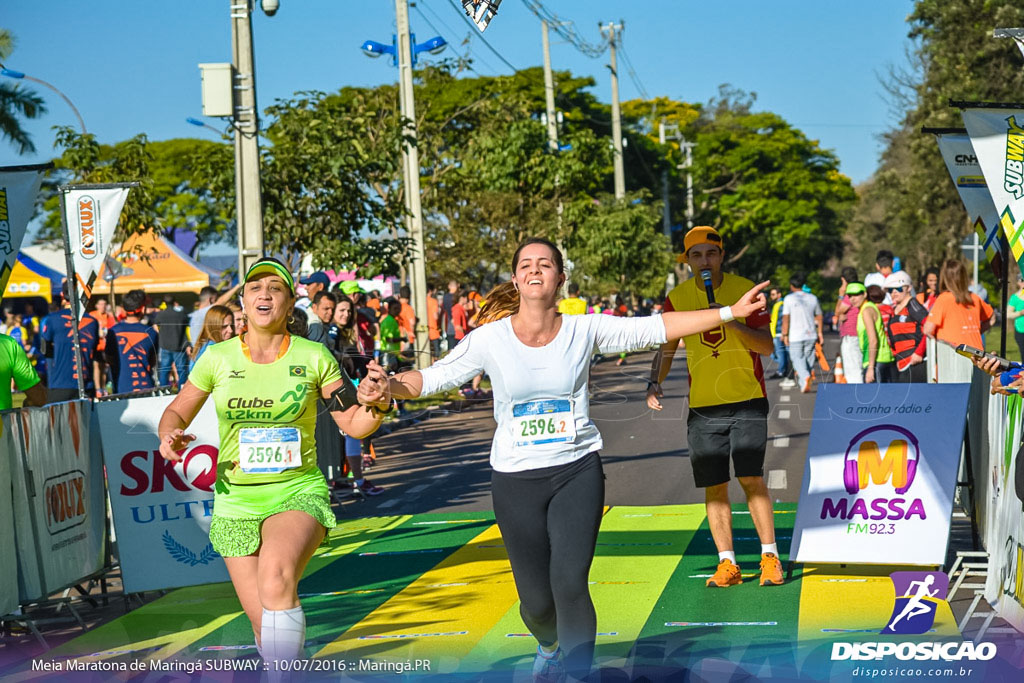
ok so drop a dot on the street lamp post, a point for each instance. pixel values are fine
(248, 200)
(404, 54)
(11, 73)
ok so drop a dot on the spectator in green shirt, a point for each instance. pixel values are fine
(1015, 312)
(391, 336)
(14, 364)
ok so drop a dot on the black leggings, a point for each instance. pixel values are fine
(549, 519)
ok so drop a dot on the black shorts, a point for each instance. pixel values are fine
(715, 433)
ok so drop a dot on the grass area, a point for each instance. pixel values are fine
(992, 343)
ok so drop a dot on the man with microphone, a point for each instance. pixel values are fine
(728, 416)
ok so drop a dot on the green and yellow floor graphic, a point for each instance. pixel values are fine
(438, 588)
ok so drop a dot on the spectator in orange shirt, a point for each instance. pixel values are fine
(460, 320)
(105, 320)
(373, 301)
(433, 322)
(407, 317)
(958, 316)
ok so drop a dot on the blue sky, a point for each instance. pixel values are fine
(130, 65)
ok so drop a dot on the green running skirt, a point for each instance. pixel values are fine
(239, 510)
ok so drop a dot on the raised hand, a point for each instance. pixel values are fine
(374, 388)
(174, 443)
(751, 302)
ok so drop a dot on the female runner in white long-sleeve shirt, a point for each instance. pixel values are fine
(547, 483)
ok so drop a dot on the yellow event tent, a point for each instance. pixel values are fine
(30, 278)
(153, 264)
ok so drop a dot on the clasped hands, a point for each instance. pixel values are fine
(375, 389)
(991, 366)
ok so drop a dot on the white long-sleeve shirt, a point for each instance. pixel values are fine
(541, 397)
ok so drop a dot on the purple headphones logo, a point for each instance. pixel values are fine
(864, 462)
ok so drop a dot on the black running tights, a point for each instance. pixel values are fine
(549, 519)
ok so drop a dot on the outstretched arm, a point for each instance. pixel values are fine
(683, 323)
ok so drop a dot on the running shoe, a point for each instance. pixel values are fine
(807, 386)
(787, 384)
(367, 489)
(771, 570)
(548, 667)
(727, 574)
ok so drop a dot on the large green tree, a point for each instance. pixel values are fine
(911, 205)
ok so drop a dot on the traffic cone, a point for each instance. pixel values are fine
(840, 375)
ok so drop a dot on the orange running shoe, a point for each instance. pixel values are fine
(727, 574)
(771, 570)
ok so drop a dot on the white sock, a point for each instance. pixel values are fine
(770, 548)
(727, 555)
(282, 634)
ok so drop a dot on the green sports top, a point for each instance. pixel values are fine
(266, 412)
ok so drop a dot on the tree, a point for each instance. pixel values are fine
(84, 160)
(618, 248)
(911, 205)
(17, 102)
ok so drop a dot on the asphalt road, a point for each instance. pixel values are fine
(441, 464)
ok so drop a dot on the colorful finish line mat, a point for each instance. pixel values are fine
(432, 597)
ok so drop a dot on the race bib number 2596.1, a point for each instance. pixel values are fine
(269, 449)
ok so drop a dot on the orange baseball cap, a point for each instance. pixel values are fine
(701, 234)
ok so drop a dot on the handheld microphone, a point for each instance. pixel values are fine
(706, 276)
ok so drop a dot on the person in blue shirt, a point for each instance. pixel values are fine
(58, 345)
(132, 347)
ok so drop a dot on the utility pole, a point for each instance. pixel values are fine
(411, 163)
(688, 148)
(620, 175)
(248, 202)
(549, 89)
(666, 132)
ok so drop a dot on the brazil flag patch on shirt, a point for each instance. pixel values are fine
(297, 370)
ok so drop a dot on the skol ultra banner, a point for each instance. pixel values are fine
(91, 214)
(161, 509)
(997, 136)
(19, 186)
(963, 168)
(880, 471)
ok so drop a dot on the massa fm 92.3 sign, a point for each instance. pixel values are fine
(879, 475)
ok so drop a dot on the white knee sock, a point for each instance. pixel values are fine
(282, 634)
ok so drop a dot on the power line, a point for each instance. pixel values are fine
(452, 32)
(472, 26)
(566, 29)
(632, 72)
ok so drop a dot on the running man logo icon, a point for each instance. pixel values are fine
(918, 595)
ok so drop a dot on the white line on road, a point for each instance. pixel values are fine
(785, 398)
(421, 487)
(780, 441)
(389, 503)
(777, 479)
(442, 475)
(784, 414)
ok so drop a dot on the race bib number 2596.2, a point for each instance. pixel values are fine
(542, 422)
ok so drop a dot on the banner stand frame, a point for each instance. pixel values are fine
(72, 287)
(969, 484)
(72, 274)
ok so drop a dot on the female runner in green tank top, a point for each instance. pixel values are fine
(271, 505)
